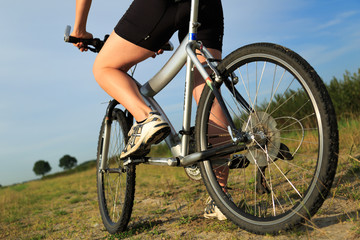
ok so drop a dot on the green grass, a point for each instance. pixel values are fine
(167, 205)
(19, 187)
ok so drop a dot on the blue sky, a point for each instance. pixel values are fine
(50, 104)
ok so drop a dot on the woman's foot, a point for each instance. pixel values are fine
(142, 135)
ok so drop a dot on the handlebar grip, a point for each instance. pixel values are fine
(71, 39)
(93, 44)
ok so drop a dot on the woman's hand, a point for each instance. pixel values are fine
(85, 35)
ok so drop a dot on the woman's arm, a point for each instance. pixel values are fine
(81, 14)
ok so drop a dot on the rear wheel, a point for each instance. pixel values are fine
(286, 171)
(115, 182)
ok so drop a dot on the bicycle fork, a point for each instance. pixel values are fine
(104, 147)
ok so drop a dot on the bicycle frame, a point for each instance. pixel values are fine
(185, 53)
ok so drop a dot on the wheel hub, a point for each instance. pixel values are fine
(265, 144)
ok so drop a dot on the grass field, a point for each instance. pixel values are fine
(168, 205)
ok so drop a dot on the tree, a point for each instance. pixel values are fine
(41, 167)
(67, 162)
(345, 95)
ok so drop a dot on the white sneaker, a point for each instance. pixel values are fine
(212, 211)
(142, 135)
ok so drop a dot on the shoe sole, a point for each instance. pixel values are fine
(156, 138)
(160, 135)
(213, 216)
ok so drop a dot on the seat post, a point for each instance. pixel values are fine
(194, 24)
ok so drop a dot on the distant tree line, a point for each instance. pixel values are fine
(345, 94)
(42, 167)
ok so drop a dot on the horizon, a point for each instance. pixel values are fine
(51, 105)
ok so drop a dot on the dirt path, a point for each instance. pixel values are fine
(338, 219)
(177, 214)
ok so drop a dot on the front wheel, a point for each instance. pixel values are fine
(115, 182)
(286, 171)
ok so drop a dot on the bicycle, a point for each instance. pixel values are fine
(279, 142)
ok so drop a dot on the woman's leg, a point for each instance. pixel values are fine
(110, 70)
(114, 60)
(221, 172)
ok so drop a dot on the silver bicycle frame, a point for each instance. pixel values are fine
(185, 53)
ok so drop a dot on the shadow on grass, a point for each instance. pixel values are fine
(151, 227)
(326, 221)
(138, 228)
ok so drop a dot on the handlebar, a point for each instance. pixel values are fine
(95, 44)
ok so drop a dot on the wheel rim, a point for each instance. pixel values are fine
(269, 85)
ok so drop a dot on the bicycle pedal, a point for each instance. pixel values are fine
(284, 153)
(261, 185)
(134, 161)
(238, 161)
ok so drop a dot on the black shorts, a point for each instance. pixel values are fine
(151, 23)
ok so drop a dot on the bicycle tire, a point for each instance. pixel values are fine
(115, 190)
(285, 174)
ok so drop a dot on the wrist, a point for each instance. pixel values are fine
(81, 33)
(78, 32)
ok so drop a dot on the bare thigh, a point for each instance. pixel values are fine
(121, 54)
(110, 70)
